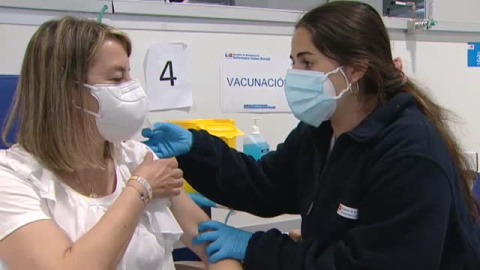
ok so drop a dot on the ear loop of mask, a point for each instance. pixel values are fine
(85, 110)
(349, 84)
(88, 111)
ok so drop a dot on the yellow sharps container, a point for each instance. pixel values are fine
(222, 128)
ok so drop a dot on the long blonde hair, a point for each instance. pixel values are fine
(49, 98)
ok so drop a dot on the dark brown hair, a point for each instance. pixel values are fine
(353, 34)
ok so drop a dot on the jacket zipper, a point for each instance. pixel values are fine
(319, 177)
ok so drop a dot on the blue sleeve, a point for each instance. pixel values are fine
(264, 188)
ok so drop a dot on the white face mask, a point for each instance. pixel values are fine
(122, 109)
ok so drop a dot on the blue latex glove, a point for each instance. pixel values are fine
(226, 241)
(168, 140)
(201, 200)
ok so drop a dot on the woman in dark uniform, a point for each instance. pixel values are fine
(372, 168)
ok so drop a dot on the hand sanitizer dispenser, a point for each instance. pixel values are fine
(254, 144)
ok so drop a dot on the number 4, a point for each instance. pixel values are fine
(171, 78)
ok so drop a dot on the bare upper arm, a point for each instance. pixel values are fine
(229, 264)
(37, 245)
(189, 216)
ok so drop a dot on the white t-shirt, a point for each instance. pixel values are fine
(29, 192)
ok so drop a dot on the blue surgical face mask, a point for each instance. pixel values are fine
(311, 95)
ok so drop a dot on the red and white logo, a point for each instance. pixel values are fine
(347, 212)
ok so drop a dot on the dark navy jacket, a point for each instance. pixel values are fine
(386, 197)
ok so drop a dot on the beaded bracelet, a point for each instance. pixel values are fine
(143, 196)
(145, 184)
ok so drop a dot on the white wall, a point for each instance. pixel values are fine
(457, 10)
(441, 67)
(206, 55)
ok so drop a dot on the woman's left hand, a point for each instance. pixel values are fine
(225, 241)
(201, 200)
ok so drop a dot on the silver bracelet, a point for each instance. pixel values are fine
(145, 184)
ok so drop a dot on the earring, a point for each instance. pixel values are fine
(355, 93)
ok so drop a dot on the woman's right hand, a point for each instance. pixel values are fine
(163, 175)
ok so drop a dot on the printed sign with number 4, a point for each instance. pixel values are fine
(168, 77)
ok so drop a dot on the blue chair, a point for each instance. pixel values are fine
(8, 84)
(476, 188)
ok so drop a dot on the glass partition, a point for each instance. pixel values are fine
(297, 5)
(404, 9)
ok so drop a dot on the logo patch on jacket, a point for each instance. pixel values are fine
(347, 212)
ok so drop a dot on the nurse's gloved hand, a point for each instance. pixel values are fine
(168, 140)
(201, 200)
(225, 241)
